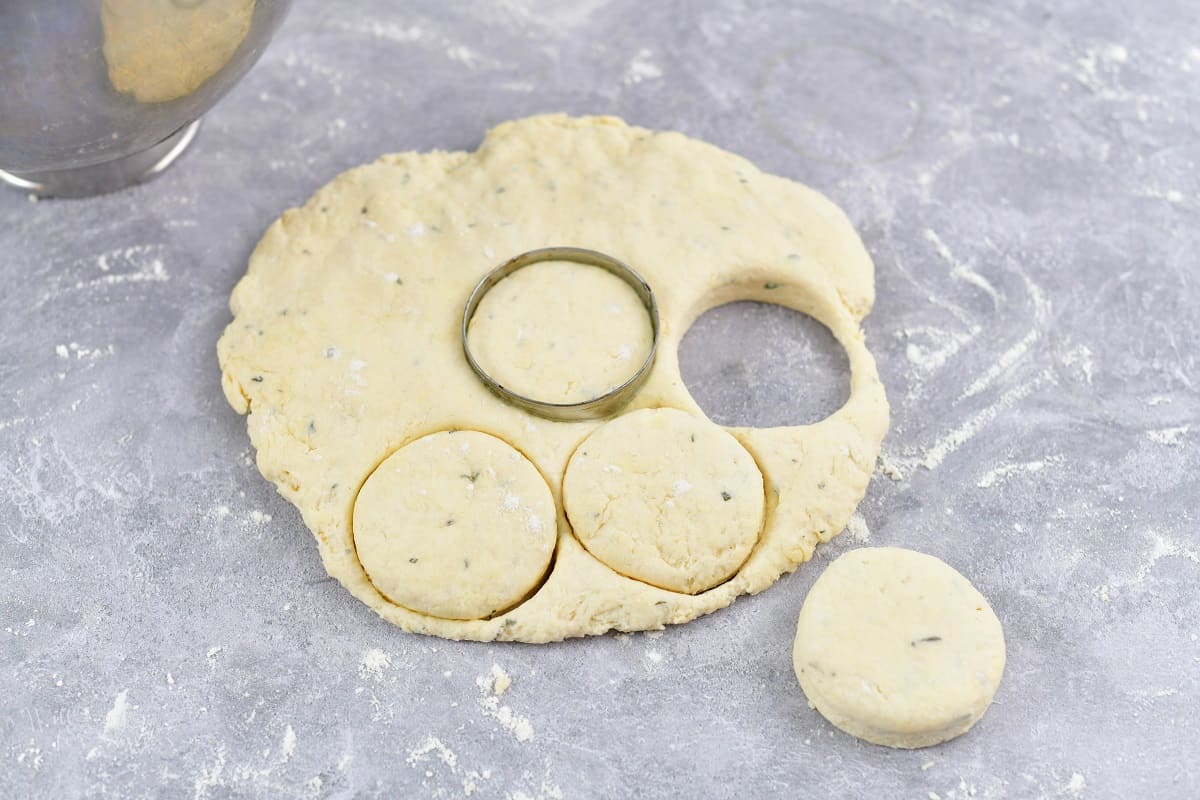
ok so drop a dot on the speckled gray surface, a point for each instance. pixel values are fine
(1026, 180)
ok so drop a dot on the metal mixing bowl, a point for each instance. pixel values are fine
(96, 95)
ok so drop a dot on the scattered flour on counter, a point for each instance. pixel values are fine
(858, 529)
(1082, 358)
(642, 68)
(115, 719)
(83, 353)
(373, 663)
(500, 680)
(491, 686)
(1076, 785)
(959, 269)
(288, 748)
(517, 725)
(1001, 473)
(1171, 437)
(30, 757)
(257, 517)
(211, 656)
(432, 744)
(210, 778)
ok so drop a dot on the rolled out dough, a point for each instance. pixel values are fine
(344, 347)
(897, 648)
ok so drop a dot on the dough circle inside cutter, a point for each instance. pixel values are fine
(560, 332)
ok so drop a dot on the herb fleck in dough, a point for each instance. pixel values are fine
(897, 648)
(344, 349)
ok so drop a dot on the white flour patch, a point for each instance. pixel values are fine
(1005, 362)
(489, 685)
(934, 346)
(80, 352)
(145, 271)
(463, 55)
(1081, 357)
(641, 68)
(30, 757)
(430, 746)
(373, 663)
(500, 680)
(857, 528)
(1171, 437)
(1160, 547)
(1076, 785)
(211, 656)
(959, 269)
(116, 717)
(949, 442)
(387, 31)
(210, 778)
(889, 467)
(288, 748)
(1001, 473)
(257, 517)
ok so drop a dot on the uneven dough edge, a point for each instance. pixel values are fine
(559, 610)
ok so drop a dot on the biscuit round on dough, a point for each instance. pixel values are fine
(665, 497)
(457, 525)
(560, 332)
(897, 648)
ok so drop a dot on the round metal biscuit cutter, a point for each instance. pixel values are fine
(596, 407)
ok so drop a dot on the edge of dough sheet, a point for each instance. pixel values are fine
(616, 188)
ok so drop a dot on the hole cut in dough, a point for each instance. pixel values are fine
(897, 648)
(763, 365)
(561, 332)
(457, 525)
(665, 497)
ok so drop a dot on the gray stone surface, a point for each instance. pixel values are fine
(1026, 180)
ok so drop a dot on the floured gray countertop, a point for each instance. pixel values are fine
(1026, 181)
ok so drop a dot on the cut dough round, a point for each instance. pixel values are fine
(665, 497)
(897, 648)
(560, 332)
(457, 525)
